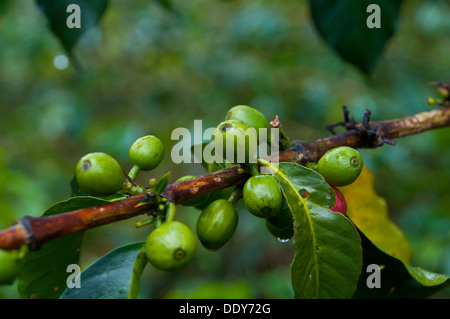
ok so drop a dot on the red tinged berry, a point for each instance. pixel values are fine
(341, 204)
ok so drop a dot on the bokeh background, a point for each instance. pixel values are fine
(148, 71)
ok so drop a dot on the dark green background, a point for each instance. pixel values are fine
(147, 71)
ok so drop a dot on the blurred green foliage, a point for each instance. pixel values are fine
(148, 71)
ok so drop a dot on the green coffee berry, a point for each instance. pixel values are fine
(241, 139)
(340, 166)
(250, 116)
(171, 246)
(431, 101)
(262, 196)
(99, 174)
(146, 152)
(443, 92)
(281, 225)
(217, 224)
(8, 268)
(194, 201)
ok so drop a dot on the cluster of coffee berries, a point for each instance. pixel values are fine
(219, 218)
(171, 245)
(261, 194)
(99, 174)
(443, 99)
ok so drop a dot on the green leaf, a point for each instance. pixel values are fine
(396, 279)
(162, 183)
(4, 6)
(167, 4)
(56, 13)
(369, 212)
(425, 277)
(107, 278)
(306, 179)
(43, 273)
(342, 24)
(328, 258)
(75, 189)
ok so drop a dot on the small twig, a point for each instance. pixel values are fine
(138, 268)
(368, 131)
(130, 180)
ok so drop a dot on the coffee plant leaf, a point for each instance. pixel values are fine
(344, 27)
(107, 278)
(328, 249)
(57, 16)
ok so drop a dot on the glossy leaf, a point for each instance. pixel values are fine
(43, 273)
(343, 26)
(369, 212)
(396, 279)
(4, 6)
(109, 277)
(306, 179)
(57, 15)
(328, 258)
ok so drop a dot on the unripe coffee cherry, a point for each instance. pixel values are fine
(250, 116)
(262, 196)
(281, 225)
(341, 204)
(146, 152)
(340, 166)
(431, 101)
(99, 174)
(217, 224)
(443, 92)
(8, 268)
(171, 246)
(194, 201)
(242, 141)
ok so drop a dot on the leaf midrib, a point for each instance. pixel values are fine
(305, 206)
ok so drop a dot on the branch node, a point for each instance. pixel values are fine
(371, 133)
(31, 238)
